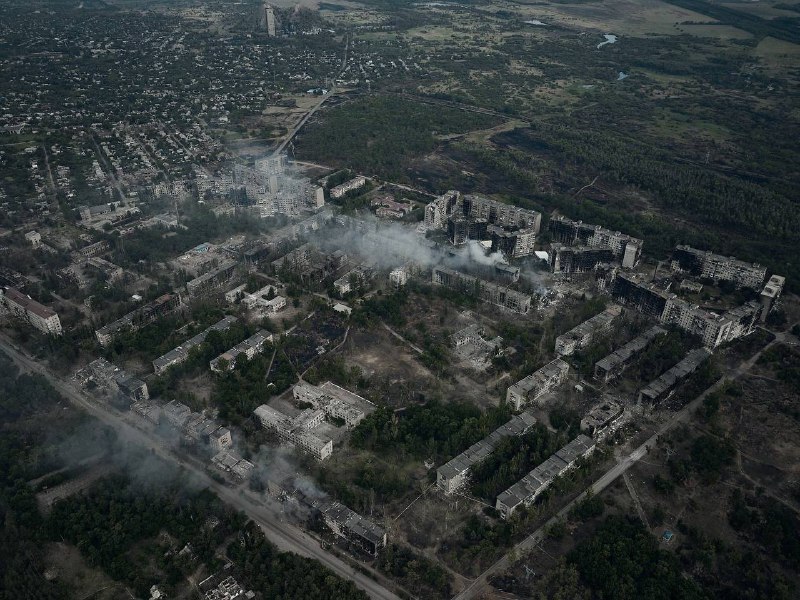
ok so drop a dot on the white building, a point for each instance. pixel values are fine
(296, 431)
(27, 309)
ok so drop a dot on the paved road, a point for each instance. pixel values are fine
(533, 540)
(309, 114)
(284, 535)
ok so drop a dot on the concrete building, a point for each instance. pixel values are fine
(96, 249)
(110, 377)
(487, 292)
(581, 336)
(536, 385)
(454, 474)
(139, 317)
(269, 19)
(511, 229)
(577, 259)
(212, 280)
(711, 328)
(353, 184)
(336, 402)
(662, 388)
(25, 308)
(230, 462)
(716, 267)
(603, 419)
(351, 526)
(470, 345)
(265, 300)
(197, 428)
(249, 348)
(34, 238)
(625, 249)
(180, 353)
(529, 488)
(614, 364)
(770, 295)
(359, 275)
(296, 431)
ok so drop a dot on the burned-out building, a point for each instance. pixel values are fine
(180, 353)
(536, 385)
(297, 430)
(581, 336)
(577, 259)
(454, 474)
(713, 329)
(529, 488)
(614, 364)
(716, 267)
(770, 295)
(216, 277)
(626, 250)
(139, 317)
(603, 419)
(473, 348)
(511, 229)
(335, 401)
(349, 525)
(483, 290)
(662, 388)
(114, 379)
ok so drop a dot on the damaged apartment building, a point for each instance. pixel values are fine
(454, 474)
(473, 348)
(248, 348)
(578, 247)
(26, 309)
(613, 365)
(113, 379)
(180, 353)
(707, 265)
(138, 318)
(272, 189)
(336, 402)
(662, 387)
(581, 336)
(297, 431)
(667, 308)
(491, 293)
(536, 385)
(351, 526)
(529, 488)
(512, 230)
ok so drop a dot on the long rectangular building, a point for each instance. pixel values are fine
(212, 280)
(138, 318)
(660, 389)
(181, 353)
(296, 430)
(719, 268)
(525, 491)
(713, 329)
(534, 386)
(336, 402)
(249, 348)
(581, 336)
(485, 291)
(454, 474)
(615, 363)
(624, 248)
(27, 309)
